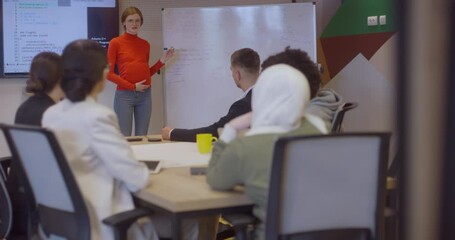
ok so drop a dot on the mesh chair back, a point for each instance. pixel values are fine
(2, 174)
(5, 210)
(327, 182)
(339, 116)
(46, 172)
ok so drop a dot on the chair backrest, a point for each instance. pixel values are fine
(44, 170)
(5, 162)
(328, 182)
(5, 210)
(339, 116)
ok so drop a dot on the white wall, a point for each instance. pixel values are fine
(11, 89)
(11, 95)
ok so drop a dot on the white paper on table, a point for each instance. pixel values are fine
(179, 154)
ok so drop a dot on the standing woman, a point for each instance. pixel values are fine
(130, 54)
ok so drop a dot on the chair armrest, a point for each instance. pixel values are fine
(334, 234)
(240, 220)
(5, 160)
(5, 163)
(120, 222)
(240, 223)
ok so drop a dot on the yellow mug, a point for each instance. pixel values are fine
(204, 142)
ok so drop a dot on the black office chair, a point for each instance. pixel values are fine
(22, 202)
(5, 210)
(392, 199)
(5, 163)
(44, 171)
(327, 187)
(339, 116)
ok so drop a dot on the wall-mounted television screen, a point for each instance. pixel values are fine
(30, 27)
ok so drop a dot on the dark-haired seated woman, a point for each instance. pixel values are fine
(46, 72)
(45, 75)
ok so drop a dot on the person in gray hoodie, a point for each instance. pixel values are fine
(325, 105)
(324, 102)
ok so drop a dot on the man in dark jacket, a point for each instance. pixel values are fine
(245, 67)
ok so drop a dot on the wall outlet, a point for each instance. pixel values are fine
(382, 20)
(372, 20)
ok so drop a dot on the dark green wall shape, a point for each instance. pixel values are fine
(351, 18)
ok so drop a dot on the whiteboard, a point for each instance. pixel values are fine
(198, 85)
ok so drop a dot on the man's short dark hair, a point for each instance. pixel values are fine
(247, 59)
(301, 61)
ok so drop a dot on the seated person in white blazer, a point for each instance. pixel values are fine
(99, 156)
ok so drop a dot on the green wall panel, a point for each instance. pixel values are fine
(351, 18)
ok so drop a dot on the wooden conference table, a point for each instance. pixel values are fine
(177, 193)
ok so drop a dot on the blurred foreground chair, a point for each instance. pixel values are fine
(327, 187)
(339, 116)
(6, 211)
(44, 171)
(392, 198)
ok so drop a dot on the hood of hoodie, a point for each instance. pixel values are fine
(324, 105)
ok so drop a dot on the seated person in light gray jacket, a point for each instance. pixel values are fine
(279, 101)
(325, 104)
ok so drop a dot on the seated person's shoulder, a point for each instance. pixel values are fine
(90, 112)
(98, 111)
(241, 106)
(310, 125)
